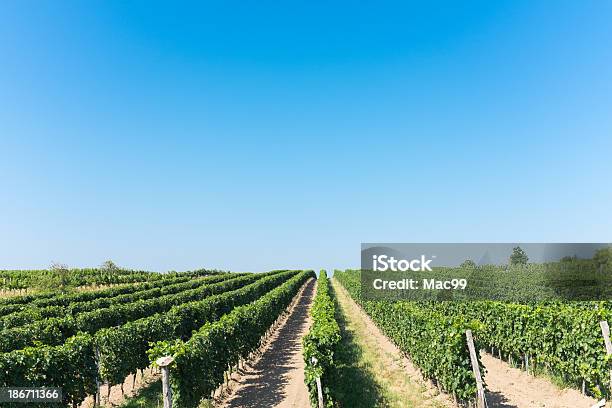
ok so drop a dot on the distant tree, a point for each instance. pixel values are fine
(518, 257)
(468, 263)
(62, 272)
(58, 279)
(603, 257)
(109, 266)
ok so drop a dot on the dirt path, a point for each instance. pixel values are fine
(398, 381)
(277, 378)
(513, 388)
(508, 387)
(130, 389)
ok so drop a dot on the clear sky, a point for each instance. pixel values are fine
(255, 135)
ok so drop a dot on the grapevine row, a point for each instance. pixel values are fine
(15, 303)
(54, 331)
(322, 341)
(74, 366)
(200, 363)
(123, 349)
(33, 312)
(435, 342)
(24, 279)
(564, 339)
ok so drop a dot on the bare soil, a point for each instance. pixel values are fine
(276, 379)
(116, 396)
(511, 387)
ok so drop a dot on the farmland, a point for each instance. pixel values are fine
(29, 281)
(233, 339)
(78, 340)
(561, 340)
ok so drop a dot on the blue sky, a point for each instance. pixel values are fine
(259, 135)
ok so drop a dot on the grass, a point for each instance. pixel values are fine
(148, 397)
(354, 385)
(368, 375)
(151, 397)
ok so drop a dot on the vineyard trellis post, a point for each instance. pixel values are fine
(605, 331)
(98, 396)
(163, 363)
(480, 396)
(319, 386)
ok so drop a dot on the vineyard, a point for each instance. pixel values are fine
(78, 341)
(559, 339)
(201, 328)
(31, 280)
(201, 362)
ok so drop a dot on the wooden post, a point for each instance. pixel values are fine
(527, 363)
(480, 396)
(605, 331)
(163, 363)
(97, 397)
(319, 386)
(319, 392)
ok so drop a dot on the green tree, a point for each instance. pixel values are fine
(57, 279)
(109, 266)
(518, 257)
(603, 256)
